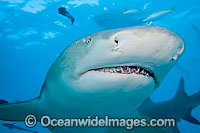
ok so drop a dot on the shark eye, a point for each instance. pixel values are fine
(88, 40)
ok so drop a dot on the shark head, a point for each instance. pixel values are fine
(115, 66)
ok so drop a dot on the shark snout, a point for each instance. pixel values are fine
(153, 47)
(148, 41)
(179, 52)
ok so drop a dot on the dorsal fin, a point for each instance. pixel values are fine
(180, 93)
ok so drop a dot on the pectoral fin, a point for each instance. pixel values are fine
(18, 111)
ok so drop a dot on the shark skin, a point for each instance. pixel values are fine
(79, 84)
(180, 107)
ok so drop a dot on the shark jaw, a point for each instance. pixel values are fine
(125, 70)
(113, 86)
(123, 77)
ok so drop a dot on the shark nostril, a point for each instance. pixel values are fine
(174, 58)
(116, 41)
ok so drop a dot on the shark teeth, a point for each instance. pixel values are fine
(125, 70)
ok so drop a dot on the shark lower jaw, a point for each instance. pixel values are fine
(138, 70)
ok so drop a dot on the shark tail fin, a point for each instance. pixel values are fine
(18, 111)
(173, 9)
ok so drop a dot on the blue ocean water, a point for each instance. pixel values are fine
(33, 33)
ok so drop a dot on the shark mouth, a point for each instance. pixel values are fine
(126, 70)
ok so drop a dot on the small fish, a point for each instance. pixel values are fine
(64, 12)
(13, 126)
(132, 11)
(159, 15)
(3, 101)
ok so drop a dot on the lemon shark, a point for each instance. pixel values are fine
(106, 73)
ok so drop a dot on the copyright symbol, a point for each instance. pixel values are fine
(30, 121)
